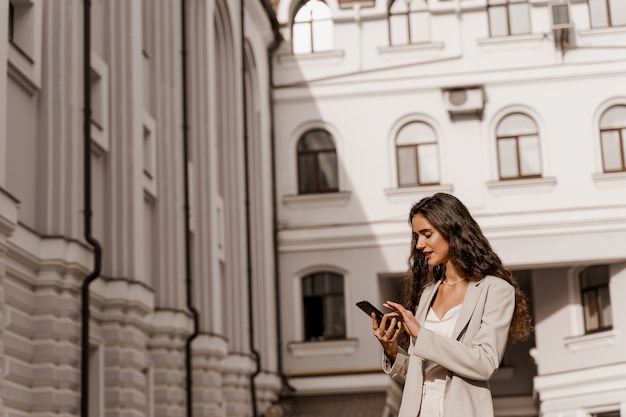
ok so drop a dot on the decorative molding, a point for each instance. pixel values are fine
(542, 184)
(412, 49)
(9, 208)
(315, 201)
(612, 179)
(325, 348)
(322, 57)
(592, 341)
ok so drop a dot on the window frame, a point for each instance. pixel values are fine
(518, 153)
(407, 22)
(416, 146)
(310, 24)
(608, 16)
(325, 295)
(506, 4)
(622, 139)
(299, 153)
(594, 289)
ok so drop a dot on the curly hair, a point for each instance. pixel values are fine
(470, 252)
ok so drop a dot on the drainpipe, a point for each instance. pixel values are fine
(188, 274)
(271, 50)
(246, 150)
(97, 249)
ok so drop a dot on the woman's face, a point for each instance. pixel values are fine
(429, 241)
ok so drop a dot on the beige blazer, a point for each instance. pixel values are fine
(471, 356)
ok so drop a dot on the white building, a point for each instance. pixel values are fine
(178, 304)
(516, 107)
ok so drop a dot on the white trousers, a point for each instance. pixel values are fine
(432, 398)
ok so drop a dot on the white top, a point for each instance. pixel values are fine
(435, 374)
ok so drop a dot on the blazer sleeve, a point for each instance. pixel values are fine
(397, 370)
(480, 358)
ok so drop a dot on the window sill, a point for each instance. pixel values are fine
(601, 32)
(321, 57)
(340, 198)
(533, 184)
(604, 339)
(410, 49)
(530, 39)
(609, 178)
(416, 193)
(325, 348)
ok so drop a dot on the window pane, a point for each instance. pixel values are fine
(498, 25)
(307, 181)
(319, 10)
(530, 157)
(315, 140)
(611, 152)
(301, 38)
(334, 284)
(420, 30)
(322, 35)
(604, 302)
(407, 166)
(334, 321)
(618, 12)
(428, 164)
(507, 152)
(313, 318)
(519, 15)
(590, 308)
(594, 276)
(598, 13)
(416, 132)
(399, 29)
(614, 117)
(328, 171)
(516, 124)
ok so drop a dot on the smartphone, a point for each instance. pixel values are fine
(368, 308)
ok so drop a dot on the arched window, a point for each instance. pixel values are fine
(517, 140)
(417, 155)
(613, 139)
(596, 299)
(607, 13)
(317, 163)
(409, 22)
(312, 29)
(324, 309)
(508, 17)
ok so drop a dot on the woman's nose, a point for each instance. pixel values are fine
(420, 244)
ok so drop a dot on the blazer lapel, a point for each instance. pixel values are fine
(425, 301)
(467, 309)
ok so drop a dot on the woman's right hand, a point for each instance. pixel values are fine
(387, 335)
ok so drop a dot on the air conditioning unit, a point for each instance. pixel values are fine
(464, 102)
(560, 15)
(562, 25)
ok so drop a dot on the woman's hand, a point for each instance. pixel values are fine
(387, 335)
(409, 322)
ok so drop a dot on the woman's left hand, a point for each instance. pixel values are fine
(410, 323)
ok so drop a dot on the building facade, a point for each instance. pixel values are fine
(135, 197)
(516, 107)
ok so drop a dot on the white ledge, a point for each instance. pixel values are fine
(416, 193)
(314, 57)
(410, 48)
(325, 348)
(508, 41)
(592, 341)
(613, 178)
(317, 199)
(539, 184)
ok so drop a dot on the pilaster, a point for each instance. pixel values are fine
(209, 352)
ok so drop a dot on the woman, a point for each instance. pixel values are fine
(469, 304)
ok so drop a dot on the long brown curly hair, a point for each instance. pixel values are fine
(470, 252)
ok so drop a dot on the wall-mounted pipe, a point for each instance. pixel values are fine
(97, 248)
(188, 273)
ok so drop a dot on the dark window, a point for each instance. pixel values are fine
(596, 300)
(519, 155)
(613, 139)
(11, 21)
(609, 414)
(317, 163)
(508, 17)
(324, 312)
(607, 13)
(417, 155)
